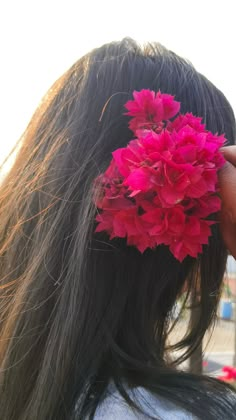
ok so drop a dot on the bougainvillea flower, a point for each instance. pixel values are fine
(162, 186)
(149, 108)
(229, 374)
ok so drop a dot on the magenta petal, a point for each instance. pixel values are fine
(210, 177)
(197, 190)
(169, 196)
(205, 231)
(166, 141)
(205, 206)
(118, 157)
(139, 179)
(144, 97)
(178, 250)
(213, 204)
(170, 107)
(126, 159)
(176, 220)
(141, 243)
(185, 154)
(105, 222)
(192, 228)
(183, 183)
(188, 120)
(119, 228)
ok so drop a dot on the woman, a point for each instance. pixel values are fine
(84, 317)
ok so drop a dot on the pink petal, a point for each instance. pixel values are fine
(192, 227)
(139, 180)
(178, 250)
(170, 107)
(169, 196)
(197, 190)
(176, 220)
(126, 159)
(185, 154)
(188, 120)
(119, 229)
(210, 177)
(105, 222)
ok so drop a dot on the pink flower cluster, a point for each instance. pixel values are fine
(162, 187)
(229, 374)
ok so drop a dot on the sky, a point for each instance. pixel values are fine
(40, 40)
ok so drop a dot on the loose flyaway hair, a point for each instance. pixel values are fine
(77, 310)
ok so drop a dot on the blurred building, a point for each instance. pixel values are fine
(230, 278)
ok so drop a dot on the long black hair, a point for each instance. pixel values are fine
(78, 311)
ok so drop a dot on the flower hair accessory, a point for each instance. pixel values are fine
(162, 187)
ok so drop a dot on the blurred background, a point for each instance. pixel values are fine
(40, 40)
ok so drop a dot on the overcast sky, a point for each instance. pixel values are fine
(40, 40)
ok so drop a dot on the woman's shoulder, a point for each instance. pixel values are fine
(114, 407)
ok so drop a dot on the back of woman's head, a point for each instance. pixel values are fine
(79, 310)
